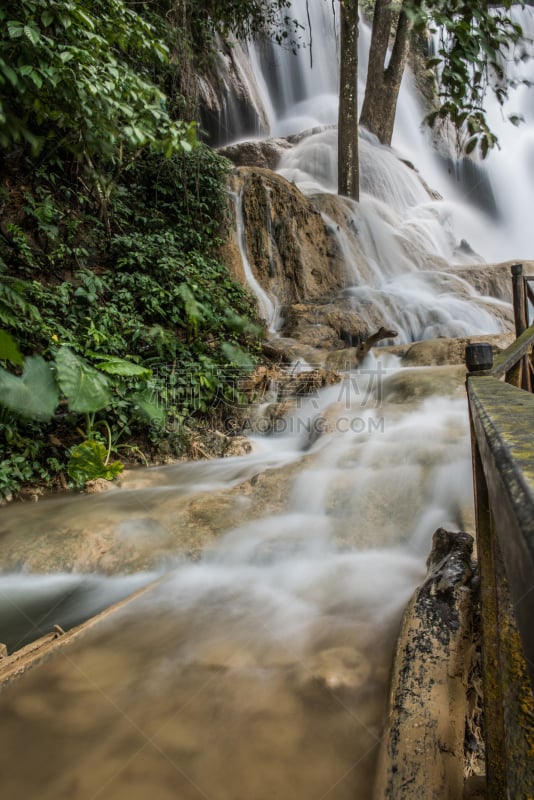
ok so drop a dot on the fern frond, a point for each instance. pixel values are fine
(13, 305)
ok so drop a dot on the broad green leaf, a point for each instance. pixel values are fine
(34, 395)
(36, 78)
(15, 29)
(10, 74)
(32, 33)
(9, 350)
(124, 368)
(88, 462)
(47, 18)
(85, 388)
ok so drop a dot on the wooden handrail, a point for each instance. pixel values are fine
(506, 360)
(502, 426)
(502, 421)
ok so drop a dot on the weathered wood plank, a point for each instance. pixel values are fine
(502, 419)
(16, 664)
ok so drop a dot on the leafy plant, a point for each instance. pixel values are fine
(34, 394)
(85, 389)
(474, 41)
(9, 349)
(88, 461)
(67, 79)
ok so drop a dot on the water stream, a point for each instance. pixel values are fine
(261, 669)
(258, 666)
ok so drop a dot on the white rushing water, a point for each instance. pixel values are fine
(261, 669)
(398, 228)
(264, 667)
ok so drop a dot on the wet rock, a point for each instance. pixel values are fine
(417, 384)
(422, 751)
(338, 668)
(449, 351)
(286, 238)
(325, 324)
(342, 360)
(237, 446)
(492, 280)
(99, 485)
(266, 153)
(308, 382)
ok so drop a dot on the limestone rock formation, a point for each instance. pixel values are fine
(422, 748)
(264, 153)
(286, 239)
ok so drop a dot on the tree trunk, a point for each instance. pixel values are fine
(383, 82)
(348, 162)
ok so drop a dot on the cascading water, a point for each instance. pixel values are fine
(398, 227)
(267, 306)
(262, 669)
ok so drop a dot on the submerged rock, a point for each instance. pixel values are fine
(416, 384)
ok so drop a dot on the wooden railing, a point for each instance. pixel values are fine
(502, 434)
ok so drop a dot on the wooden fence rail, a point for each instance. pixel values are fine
(502, 433)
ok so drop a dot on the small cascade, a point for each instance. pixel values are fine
(400, 226)
(267, 307)
(490, 199)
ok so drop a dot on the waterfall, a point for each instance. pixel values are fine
(418, 212)
(260, 664)
(303, 95)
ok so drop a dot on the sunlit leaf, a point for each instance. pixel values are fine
(124, 368)
(87, 462)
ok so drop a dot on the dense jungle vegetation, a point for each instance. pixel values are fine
(119, 321)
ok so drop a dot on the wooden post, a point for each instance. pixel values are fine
(493, 700)
(518, 297)
(479, 357)
(520, 375)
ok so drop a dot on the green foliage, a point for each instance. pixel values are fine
(88, 461)
(76, 75)
(9, 350)
(138, 336)
(243, 18)
(475, 39)
(126, 369)
(186, 194)
(34, 394)
(85, 388)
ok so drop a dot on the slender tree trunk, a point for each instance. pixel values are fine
(348, 161)
(383, 82)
